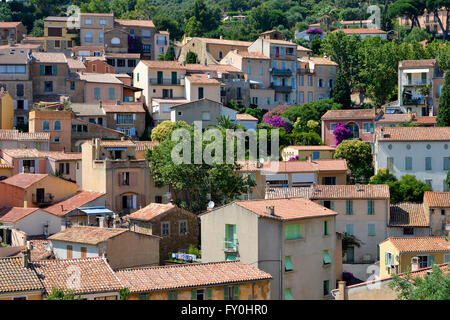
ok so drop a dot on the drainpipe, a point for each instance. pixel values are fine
(281, 260)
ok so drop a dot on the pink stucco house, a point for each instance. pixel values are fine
(360, 121)
(105, 87)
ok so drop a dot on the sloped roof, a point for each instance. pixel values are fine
(24, 180)
(127, 107)
(14, 214)
(225, 42)
(437, 199)
(95, 275)
(189, 276)
(245, 117)
(361, 31)
(363, 191)
(78, 200)
(87, 235)
(420, 244)
(292, 192)
(163, 64)
(307, 148)
(201, 78)
(16, 278)
(413, 134)
(151, 211)
(417, 63)
(135, 23)
(286, 209)
(22, 136)
(142, 145)
(408, 214)
(49, 57)
(349, 114)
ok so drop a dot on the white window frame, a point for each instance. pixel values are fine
(163, 223)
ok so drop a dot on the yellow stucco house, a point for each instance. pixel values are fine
(304, 152)
(397, 255)
(6, 110)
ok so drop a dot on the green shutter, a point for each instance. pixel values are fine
(194, 294)
(371, 229)
(42, 67)
(349, 229)
(209, 293)
(370, 205)
(225, 293)
(326, 257)
(325, 228)
(431, 261)
(386, 259)
(236, 293)
(227, 235)
(172, 295)
(322, 203)
(233, 228)
(292, 231)
(392, 259)
(288, 294)
(331, 205)
(54, 70)
(230, 256)
(288, 263)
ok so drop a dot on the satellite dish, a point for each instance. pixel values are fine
(211, 204)
(71, 54)
(261, 160)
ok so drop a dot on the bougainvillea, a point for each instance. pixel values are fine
(278, 122)
(314, 31)
(278, 111)
(341, 133)
(294, 158)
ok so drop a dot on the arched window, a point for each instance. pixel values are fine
(115, 41)
(46, 125)
(57, 125)
(354, 128)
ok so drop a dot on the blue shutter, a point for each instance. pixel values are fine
(42, 67)
(54, 70)
(133, 131)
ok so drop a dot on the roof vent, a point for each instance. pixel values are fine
(386, 135)
(270, 210)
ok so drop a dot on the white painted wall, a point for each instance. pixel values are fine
(60, 249)
(33, 224)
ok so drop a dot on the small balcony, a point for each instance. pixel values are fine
(303, 71)
(282, 89)
(416, 82)
(281, 72)
(174, 82)
(230, 245)
(42, 199)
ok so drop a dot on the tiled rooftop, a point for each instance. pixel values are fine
(80, 199)
(21, 136)
(34, 153)
(100, 78)
(413, 134)
(87, 235)
(408, 214)
(135, 23)
(24, 180)
(225, 42)
(16, 278)
(349, 114)
(293, 192)
(151, 211)
(14, 214)
(201, 78)
(96, 275)
(49, 57)
(189, 276)
(163, 64)
(420, 244)
(142, 145)
(286, 209)
(308, 148)
(417, 63)
(127, 107)
(437, 199)
(245, 117)
(361, 31)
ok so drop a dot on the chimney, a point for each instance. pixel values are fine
(341, 290)
(122, 139)
(270, 210)
(62, 208)
(100, 104)
(221, 38)
(172, 202)
(26, 255)
(415, 265)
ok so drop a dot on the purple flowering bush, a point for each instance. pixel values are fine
(278, 111)
(314, 31)
(279, 122)
(341, 133)
(294, 158)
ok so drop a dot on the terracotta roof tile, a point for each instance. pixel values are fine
(127, 107)
(163, 64)
(417, 63)
(15, 278)
(296, 166)
(287, 209)
(14, 214)
(437, 199)
(5, 24)
(408, 214)
(394, 117)
(292, 192)
(24, 180)
(251, 55)
(151, 211)
(276, 41)
(413, 134)
(34, 153)
(100, 78)
(301, 48)
(88, 235)
(225, 42)
(95, 275)
(320, 61)
(117, 143)
(75, 64)
(307, 148)
(123, 55)
(39, 249)
(78, 200)
(420, 244)
(245, 117)
(135, 23)
(426, 119)
(362, 191)
(189, 276)
(142, 145)
(445, 267)
(49, 57)
(19, 136)
(361, 31)
(201, 78)
(349, 114)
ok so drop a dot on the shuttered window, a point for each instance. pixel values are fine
(370, 207)
(349, 207)
(69, 251)
(83, 252)
(325, 228)
(172, 295)
(371, 229)
(349, 229)
(408, 163)
(288, 263)
(293, 231)
(326, 257)
(288, 294)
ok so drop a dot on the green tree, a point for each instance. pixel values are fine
(433, 286)
(169, 55)
(306, 139)
(191, 57)
(417, 34)
(443, 116)
(191, 183)
(383, 176)
(124, 293)
(341, 92)
(96, 6)
(358, 155)
(38, 28)
(194, 28)
(164, 22)
(206, 17)
(411, 189)
(60, 294)
(162, 131)
(5, 12)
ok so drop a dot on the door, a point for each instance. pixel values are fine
(174, 77)
(350, 255)
(40, 194)
(160, 77)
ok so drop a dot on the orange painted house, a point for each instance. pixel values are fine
(98, 66)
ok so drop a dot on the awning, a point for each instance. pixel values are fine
(415, 70)
(96, 211)
(116, 148)
(255, 82)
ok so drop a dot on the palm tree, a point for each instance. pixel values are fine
(327, 16)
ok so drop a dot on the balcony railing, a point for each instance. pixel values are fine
(230, 245)
(303, 71)
(42, 199)
(281, 72)
(164, 81)
(419, 82)
(285, 89)
(414, 101)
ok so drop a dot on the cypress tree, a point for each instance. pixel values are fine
(443, 116)
(341, 91)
